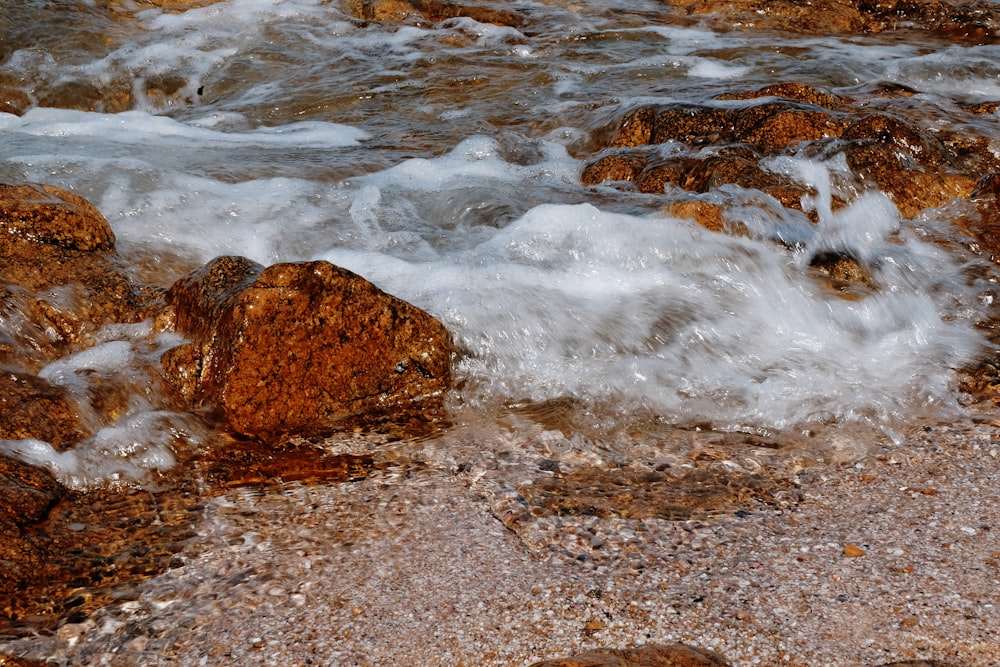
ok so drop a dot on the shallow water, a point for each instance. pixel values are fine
(442, 163)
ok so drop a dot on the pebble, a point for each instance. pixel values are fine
(852, 551)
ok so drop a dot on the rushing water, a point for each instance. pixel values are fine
(442, 162)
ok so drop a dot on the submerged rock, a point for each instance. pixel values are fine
(66, 553)
(31, 407)
(651, 655)
(300, 349)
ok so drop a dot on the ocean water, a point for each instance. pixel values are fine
(442, 163)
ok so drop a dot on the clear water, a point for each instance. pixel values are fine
(442, 163)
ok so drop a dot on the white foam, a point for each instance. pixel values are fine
(129, 453)
(140, 128)
(112, 357)
(969, 73)
(656, 314)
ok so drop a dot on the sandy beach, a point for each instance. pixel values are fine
(889, 558)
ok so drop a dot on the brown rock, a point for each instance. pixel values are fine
(431, 10)
(692, 125)
(969, 21)
(27, 493)
(53, 238)
(643, 494)
(843, 273)
(705, 214)
(983, 107)
(30, 407)
(852, 551)
(798, 92)
(788, 127)
(87, 96)
(912, 190)
(612, 168)
(13, 99)
(635, 129)
(655, 177)
(51, 216)
(651, 655)
(924, 149)
(729, 168)
(297, 349)
(69, 557)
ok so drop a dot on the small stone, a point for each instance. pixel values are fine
(852, 551)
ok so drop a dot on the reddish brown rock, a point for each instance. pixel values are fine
(297, 349)
(705, 214)
(787, 127)
(882, 129)
(30, 407)
(635, 129)
(970, 21)
(76, 551)
(655, 177)
(13, 99)
(798, 92)
(53, 238)
(431, 10)
(692, 124)
(917, 168)
(911, 189)
(87, 96)
(27, 493)
(652, 655)
(612, 168)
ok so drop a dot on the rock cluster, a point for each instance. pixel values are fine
(292, 349)
(974, 21)
(726, 142)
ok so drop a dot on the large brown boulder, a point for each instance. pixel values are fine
(652, 655)
(297, 349)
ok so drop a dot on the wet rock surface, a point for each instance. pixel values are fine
(432, 11)
(735, 145)
(672, 655)
(298, 349)
(286, 350)
(31, 407)
(66, 553)
(973, 21)
(63, 277)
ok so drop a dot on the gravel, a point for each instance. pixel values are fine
(893, 556)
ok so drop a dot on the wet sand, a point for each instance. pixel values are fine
(893, 557)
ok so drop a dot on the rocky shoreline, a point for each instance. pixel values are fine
(302, 390)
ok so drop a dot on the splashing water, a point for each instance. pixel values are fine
(443, 164)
